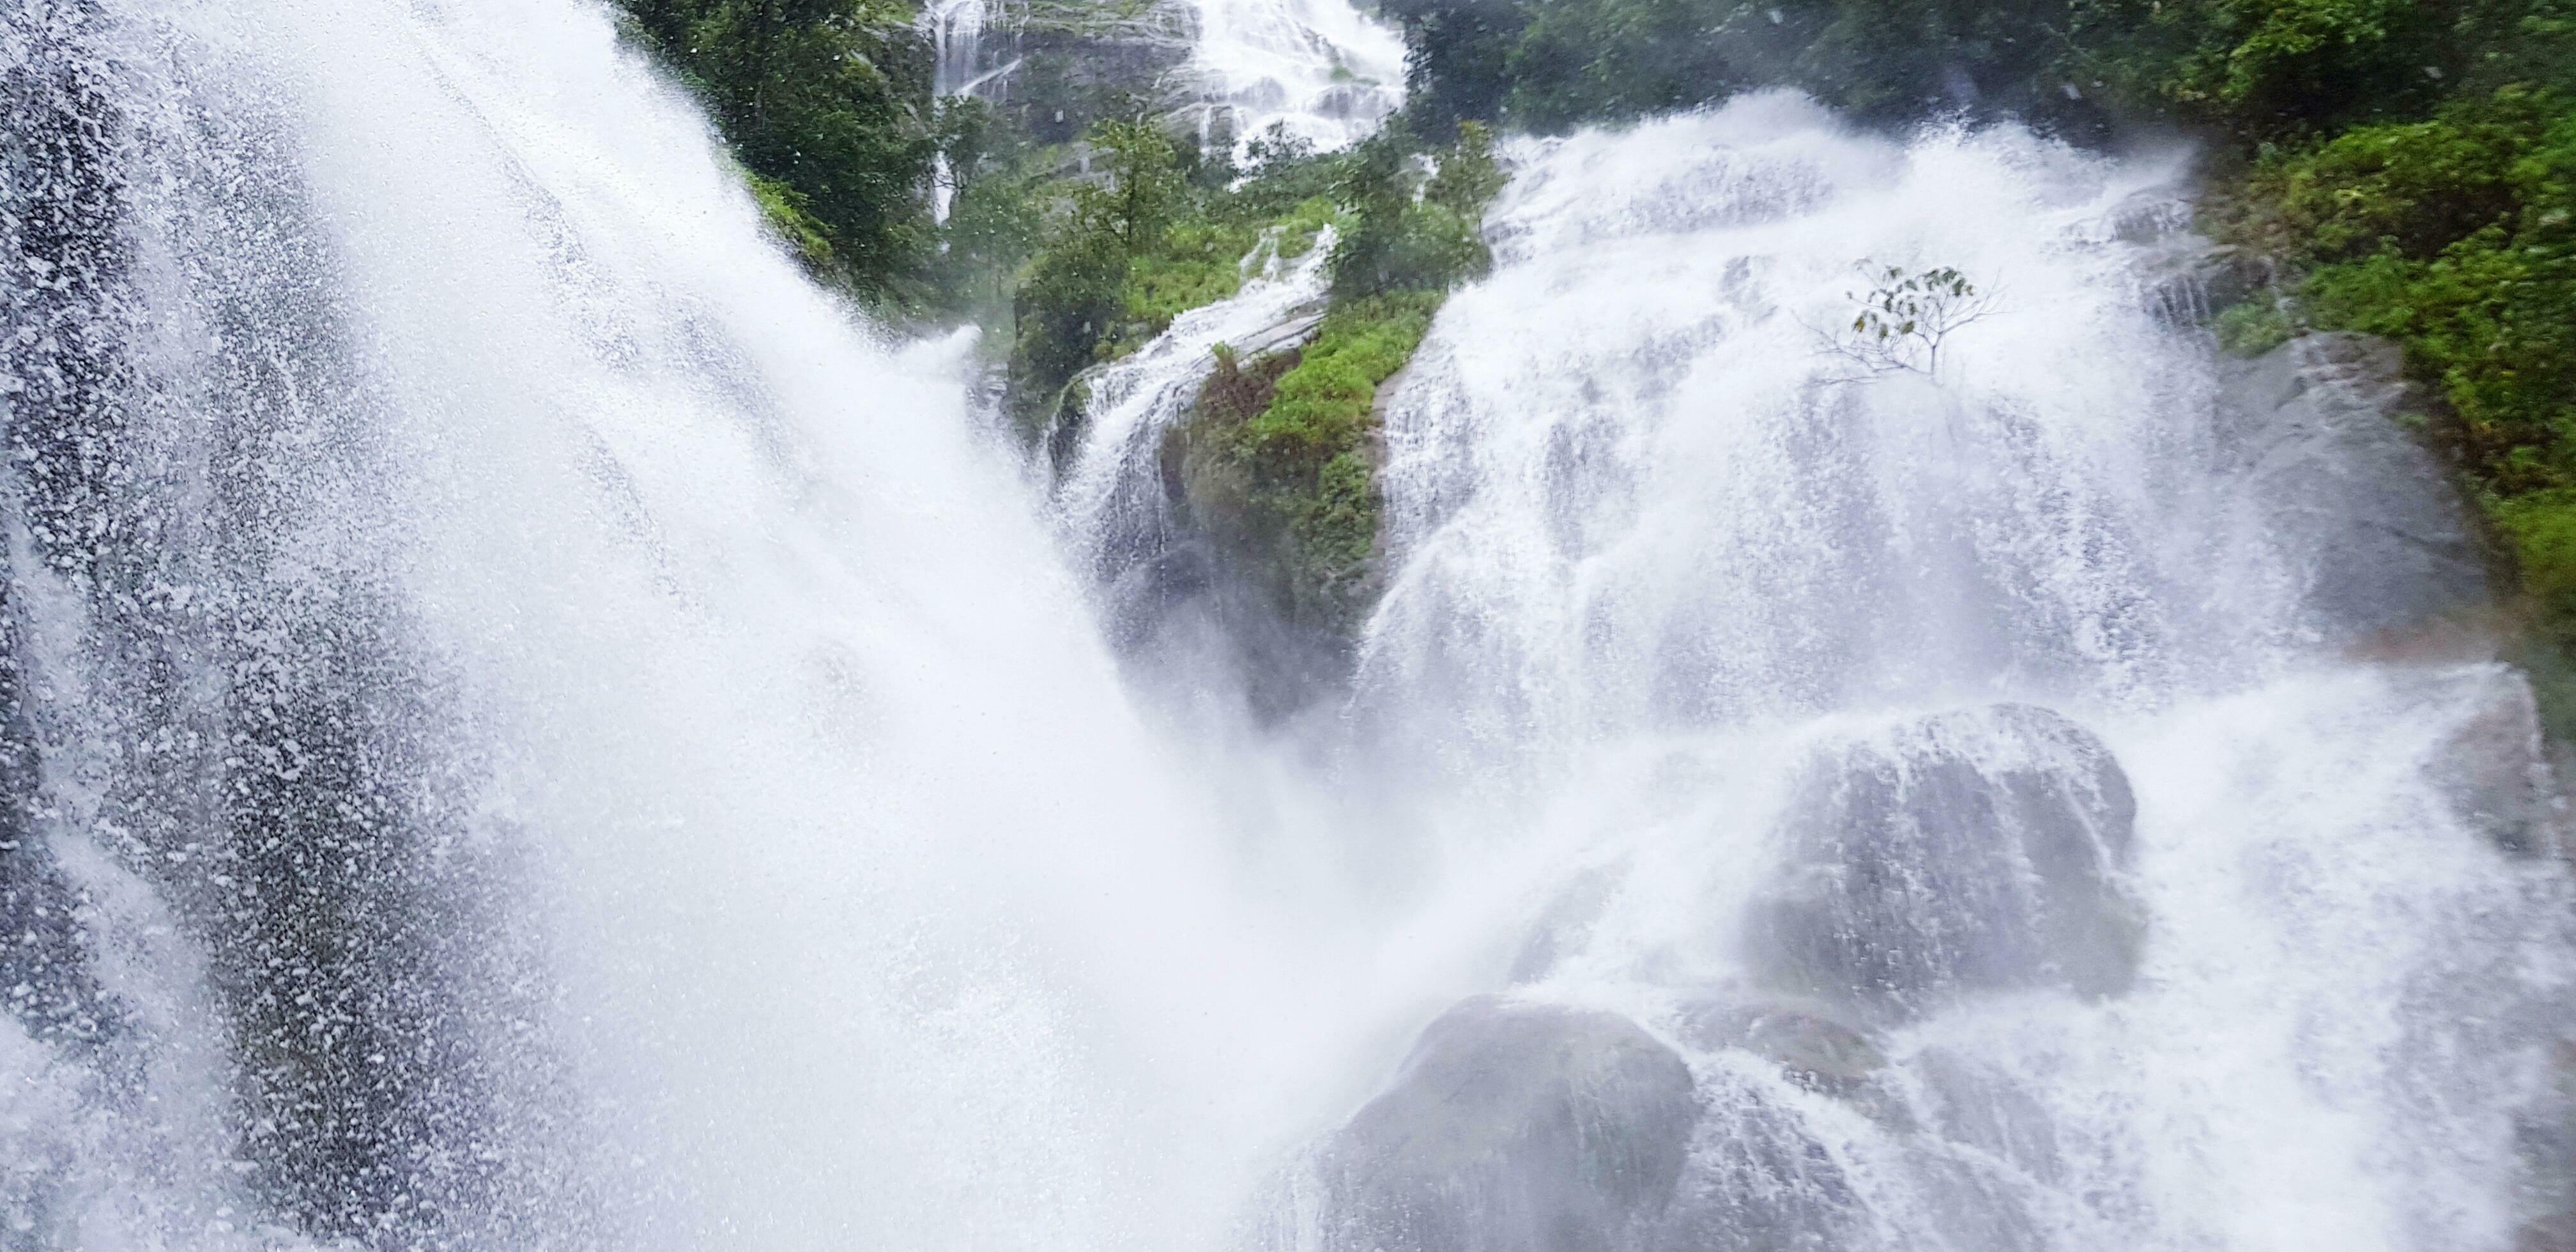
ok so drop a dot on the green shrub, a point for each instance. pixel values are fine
(1125, 255)
(1279, 454)
(784, 209)
(2252, 328)
(2456, 237)
(1402, 238)
(1321, 409)
(1196, 263)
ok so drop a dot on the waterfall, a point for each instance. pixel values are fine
(1318, 68)
(1949, 770)
(526, 724)
(956, 37)
(1708, 681)
(529, 727)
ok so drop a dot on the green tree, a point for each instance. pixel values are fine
(829, 101)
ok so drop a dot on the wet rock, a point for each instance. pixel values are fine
(2378, 541)
(2545, 1143)
(2490, 766)
(1757, 1181)
(1969, 851)
(1816, 1049)
(1513, 1127)
(1053, 67)
(1970, 1102)
(2189, 280)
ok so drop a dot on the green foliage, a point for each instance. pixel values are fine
(1280, 457)
(1469, 177)
(2267, 67)
(1617, 59)
(1143, 243)
(784, 208)
(828, 103)
(1902, 322)
(1400, 239)
(2541, 530)
(1553, 64)
(2252, 328)
(2253, 68)
(1321, 409)
(1198, 262)
(1142, 185)
(2457, 237)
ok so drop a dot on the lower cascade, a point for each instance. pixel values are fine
(524, 725)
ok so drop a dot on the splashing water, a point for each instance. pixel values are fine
(1318, 68)
(525, 729)
(615, 741)
(1674, 592)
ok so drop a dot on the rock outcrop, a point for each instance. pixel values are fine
(2378, 541)
(2490, 766)
(1758, 1181)
(1514, 1127)
(1969, 851)
(1054, 67)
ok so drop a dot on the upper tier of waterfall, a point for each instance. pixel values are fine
(1319, 68)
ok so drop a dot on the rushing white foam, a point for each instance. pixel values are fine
(1656, 537)
(1320, 68)
(854, 863)
(871, 913)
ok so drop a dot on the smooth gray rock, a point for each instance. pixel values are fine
(1513, 1127)
(2545, 1147)
(2491, 767)
(1975, 850)
(2378, 540)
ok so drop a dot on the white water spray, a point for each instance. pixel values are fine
(795, 864)
(860, 908)
(1657, 546)
(1318, 68)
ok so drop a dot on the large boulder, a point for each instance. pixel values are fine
(1977, 850)
(1513, 1127)
(2489, 763)
(1758, 1181)
(2379, 544)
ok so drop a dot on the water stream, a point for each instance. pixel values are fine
(528, 727)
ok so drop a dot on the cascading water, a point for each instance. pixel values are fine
(1902, 808)
(528, 730)
(1316, 68)
(1707, 633)
(525, 730)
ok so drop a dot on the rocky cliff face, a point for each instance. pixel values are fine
(1054, 67)
(2320, 429)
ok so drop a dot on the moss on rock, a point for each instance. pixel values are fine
(1277, 465)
